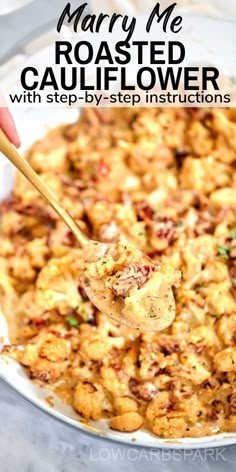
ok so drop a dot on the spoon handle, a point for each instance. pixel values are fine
(23, 166)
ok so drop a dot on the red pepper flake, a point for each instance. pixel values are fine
(40, 322)
(145, 211)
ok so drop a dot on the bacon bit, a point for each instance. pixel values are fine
(69, 238)
(132, 276)
(199, 348)
(143, 391)
(233, 402)
(99, 169)
(82, 292)
(221, 215)
(165, 228)
(205, 223)
(212, 415)
(168, 346)
(69, 234)
(145, 211)
(9, 204)
(211, 383)
(47, 216)
(39, 322)
(180, 389)
(40, 375)
(64, 335)
(73, 183)
(153, 254)
(91, 387)
(232, 273)
(120, 372)
(117, 367)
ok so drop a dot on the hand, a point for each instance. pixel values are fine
(8, 126)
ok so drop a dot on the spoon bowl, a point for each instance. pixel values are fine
(128, 286)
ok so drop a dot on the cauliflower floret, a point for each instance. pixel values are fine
(52, 160)
(199, 138)
(90, 400)
(130, 421)
(43, 369)
(97, 346)
(204, 175)
(38, 252)
(54, 349)
(195, 368)
(116, 385)
(158, 406)
(169, 427)
(203, 337)
(57, 285)
(27, 355)
(227, 134)
(225, 361)
(219, 299)
(124, 405)
(226, 329)
(224, 197)
(22, 269)
(6, 247)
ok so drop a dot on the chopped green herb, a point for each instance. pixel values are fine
(72, 322)
(91, 171)
(233, 233)
(142, 233)
(179, 223)
(224, 251)
(152, 315)
(76, 308)
(201, 286)
(84, 300)
(214, 316)
(176, 363)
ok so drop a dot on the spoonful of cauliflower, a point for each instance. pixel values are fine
(118, 278)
